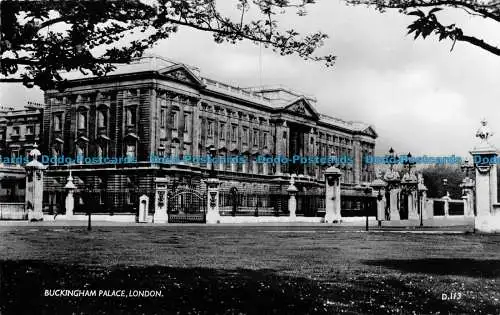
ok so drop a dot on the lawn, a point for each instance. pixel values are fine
(242, 269)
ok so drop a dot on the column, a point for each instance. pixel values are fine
(34, 186)
(356, 148)
(332, 202)
(292, 201)
(70, 200)
(381, 202)
(161, 201)
(143, 209)
(413, 206)
(213, 215)
(487, 215)
(195, 133)
(279, 147)
(446, 200)
(468, 197)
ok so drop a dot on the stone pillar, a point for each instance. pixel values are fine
(213, 214)
(292, 202)
(332, 202)
(279, 146)
(413, 206)
(446, 200)
(485, 155)
(357, 160)
(468, 196)
(34, 186)
(255, 165)
(161, 201)
(143, 209)
(422, 192)
(70, 200)
(391, 177)
(244, 165)
(427, 206)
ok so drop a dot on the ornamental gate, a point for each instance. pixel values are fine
(186, 205)
(358, 206)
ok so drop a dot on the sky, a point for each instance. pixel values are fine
(419, 96)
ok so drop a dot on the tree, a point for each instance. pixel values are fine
(433, 179)
(41, 39)
(428, 23)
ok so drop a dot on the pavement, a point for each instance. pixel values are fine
(459, 225)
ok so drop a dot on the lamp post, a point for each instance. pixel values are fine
(378, 184)
(367, 191)
(409, 163)
(420, 190)
(391, 177)
(392, 158)
(410, 184)
(211, 152)
(466, 167)
(445, 185)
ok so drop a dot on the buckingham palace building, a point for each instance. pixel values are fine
(155, 118)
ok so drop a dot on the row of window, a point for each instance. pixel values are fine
(16, 131)
(101, 121)
(245, 136)
(174, 120)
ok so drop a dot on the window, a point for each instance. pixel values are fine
(80, 154)
(15, 131)
(57, 122)
(245, 135)
(234, 131)
(99, 151)
(30, 130)
(174, 120)
(131, 116)
(255, 137)
(187, 118)
(101, 118)
(102, 150)
(130, 150)
(82, 120)
(132, 93)
(222, 131)
(162, 118)
(265, 139)
(210, 129)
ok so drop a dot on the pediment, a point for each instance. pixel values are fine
(182, 74)
(370, 132)
(302, 107)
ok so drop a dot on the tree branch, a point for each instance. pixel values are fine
(479, 43)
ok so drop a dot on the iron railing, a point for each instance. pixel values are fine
(358, 206)
(253, 204)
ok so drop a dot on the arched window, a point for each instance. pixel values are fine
(131, 116)
(131, 150)
(101, 118)
(57, 122)
(100, 151)
(82, 119)
(80, 154)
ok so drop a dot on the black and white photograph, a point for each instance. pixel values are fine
(249, 157)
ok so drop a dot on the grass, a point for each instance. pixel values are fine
(249, 270)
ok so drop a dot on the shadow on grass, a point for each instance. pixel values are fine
(208, 291)
(487, 268)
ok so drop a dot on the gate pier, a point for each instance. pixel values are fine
(161, 201)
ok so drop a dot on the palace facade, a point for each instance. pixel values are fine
(155, 107)
(20, 129)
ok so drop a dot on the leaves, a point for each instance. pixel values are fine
(66, 35)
